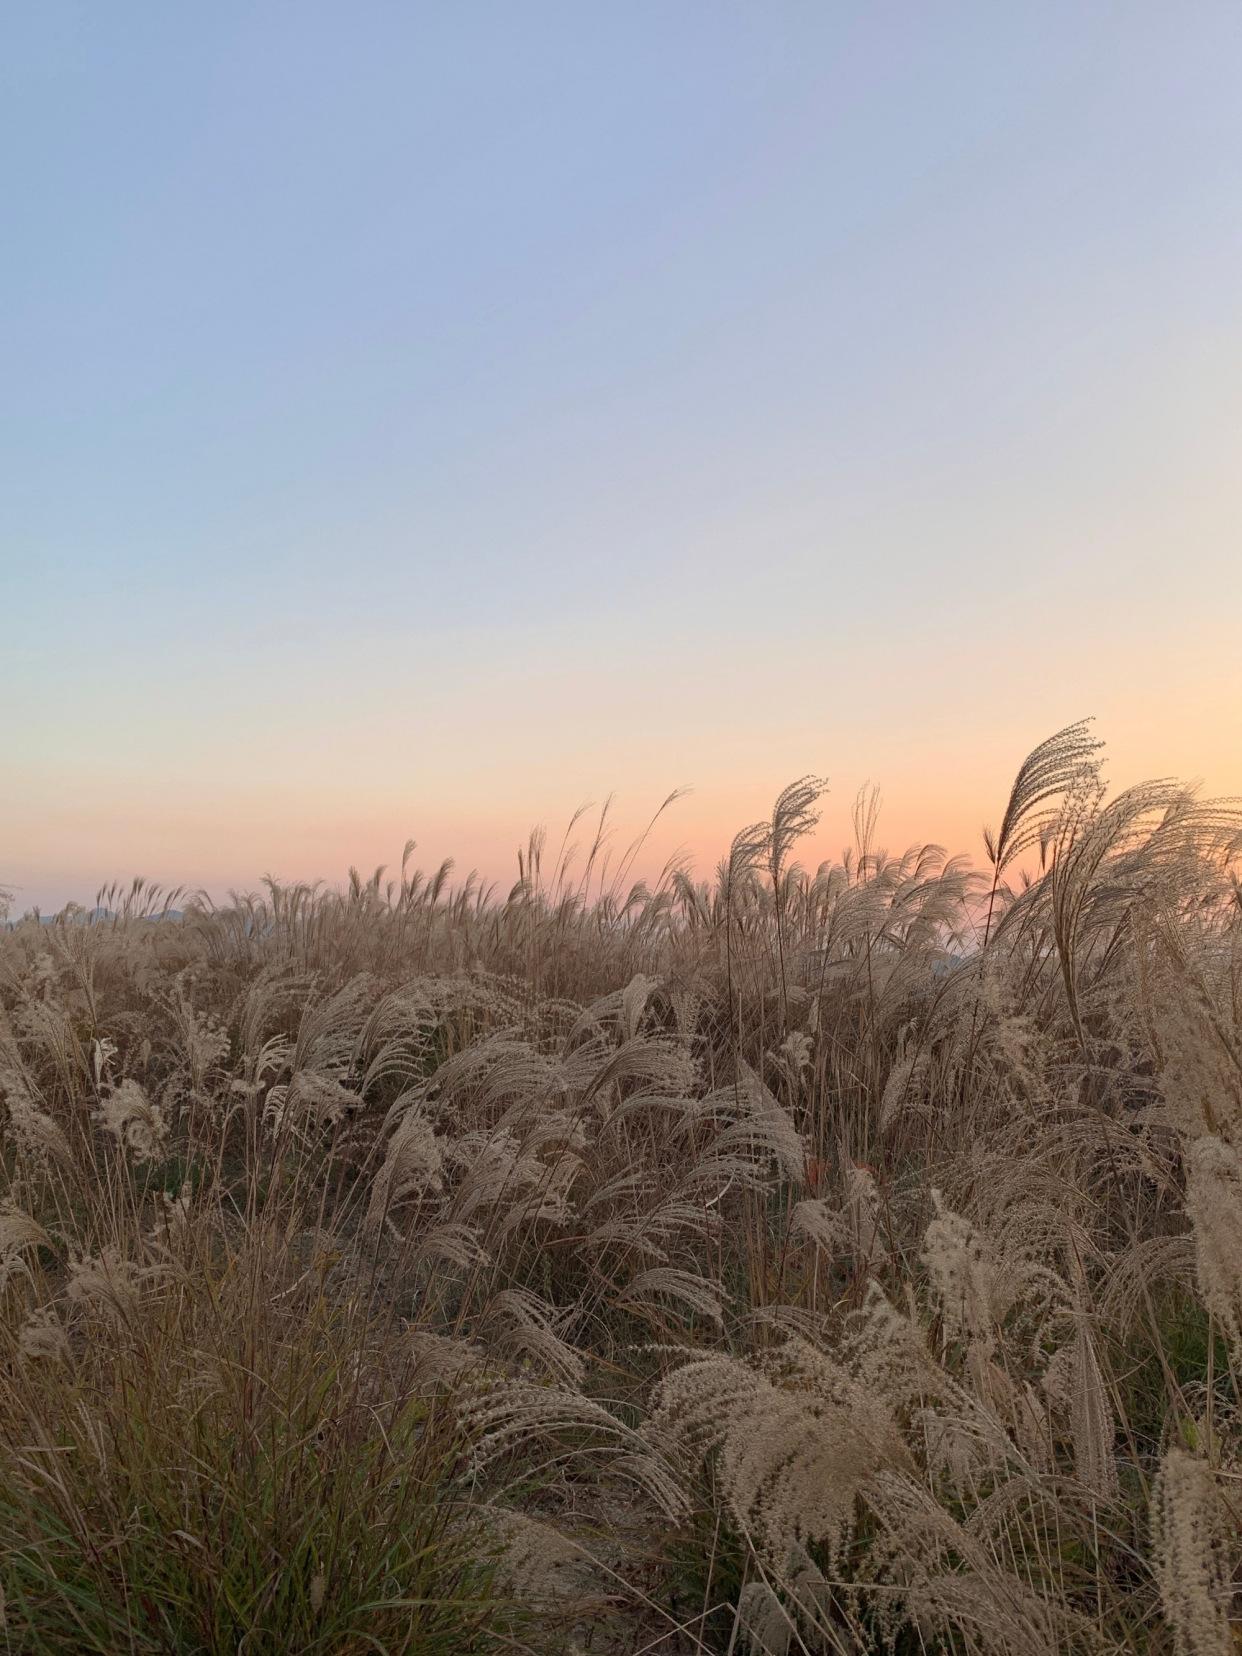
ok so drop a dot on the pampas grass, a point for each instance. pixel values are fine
(824, 1259)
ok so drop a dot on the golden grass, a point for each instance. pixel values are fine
(811, 1261)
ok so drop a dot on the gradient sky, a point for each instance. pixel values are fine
(419, 419)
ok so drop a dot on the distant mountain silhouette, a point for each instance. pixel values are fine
(86, 917)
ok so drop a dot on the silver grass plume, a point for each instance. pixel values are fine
(1195, 1554)
(1214, 1203)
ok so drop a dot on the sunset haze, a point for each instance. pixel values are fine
(423, 420)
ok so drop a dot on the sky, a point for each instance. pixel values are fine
(423, 419)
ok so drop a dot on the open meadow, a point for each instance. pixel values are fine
(808, 1260)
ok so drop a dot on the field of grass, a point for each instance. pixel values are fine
(809, 1260)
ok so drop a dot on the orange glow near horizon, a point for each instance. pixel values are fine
(230, 840)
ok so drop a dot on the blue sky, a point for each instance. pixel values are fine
(422, 418)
